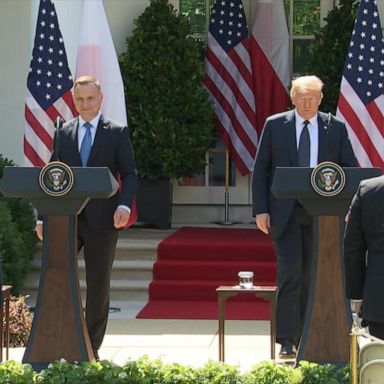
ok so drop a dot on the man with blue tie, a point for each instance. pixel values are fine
(93, 140)
(302, 137)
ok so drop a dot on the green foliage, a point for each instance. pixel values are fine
(15, 373)
(17, 237)
(319, 374)
(61, 372)
(218, 373)
(328, 52)
(306, 16)
(11, 248)
(169, 113)
(145, 371)
(271, 373)
(104, 372)
(20, 321)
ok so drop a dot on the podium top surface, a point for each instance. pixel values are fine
(97, 182)
(295, 182)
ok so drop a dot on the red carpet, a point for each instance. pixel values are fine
(193, 262)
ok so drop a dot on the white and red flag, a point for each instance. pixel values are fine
(270, 60)
(96, 56)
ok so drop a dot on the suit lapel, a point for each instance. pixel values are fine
(74, 132)
(291, 144)
(99, 139)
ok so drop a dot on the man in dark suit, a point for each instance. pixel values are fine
(109, 146)
(363, 253)
(285, 220)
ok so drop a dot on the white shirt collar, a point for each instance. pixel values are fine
(94, 121)
(300, 120)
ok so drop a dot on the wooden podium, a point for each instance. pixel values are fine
(58, 328)
(325, 337)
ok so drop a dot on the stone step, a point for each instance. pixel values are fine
(121, 290)
(136, 252)
(125, 251)
(122, 270)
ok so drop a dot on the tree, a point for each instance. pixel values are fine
(169, 112)
(328, 51)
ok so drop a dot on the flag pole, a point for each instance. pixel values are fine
(226, 221)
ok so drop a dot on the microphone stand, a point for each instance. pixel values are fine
(226, 194)
(58, 124)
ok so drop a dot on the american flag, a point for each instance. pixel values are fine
(229, 81)
(361, 101)
(49, 86)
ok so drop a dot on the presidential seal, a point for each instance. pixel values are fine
(328, 179)
(56, 178)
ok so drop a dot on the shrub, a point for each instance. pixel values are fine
(271, 373)
(12, 250)
(20, 321)
(15, 373)
(169, 112)
(61, 372)
(214, 372)
(17, 238)
(145, 371)
(319, 374)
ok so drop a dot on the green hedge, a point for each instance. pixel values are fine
(170, 115)
(17, 237)
(145, 371)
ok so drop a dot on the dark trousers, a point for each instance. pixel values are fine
(376, 329)
(99, 252)
(293, 252)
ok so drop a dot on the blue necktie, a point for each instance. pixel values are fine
(86, 144)
(303, 152)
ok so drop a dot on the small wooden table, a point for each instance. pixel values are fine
(4, 331)
(264, 292)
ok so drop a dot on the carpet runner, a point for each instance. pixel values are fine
(194, 261)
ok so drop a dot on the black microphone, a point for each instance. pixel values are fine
(58, 124)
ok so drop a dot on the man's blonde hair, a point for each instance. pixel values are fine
(303, 83)
(84, 80)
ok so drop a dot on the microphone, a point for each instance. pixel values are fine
(58, 125)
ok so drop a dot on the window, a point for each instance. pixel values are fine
(303, 22)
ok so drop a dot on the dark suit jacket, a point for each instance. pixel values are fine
(111, 148)
(364, 240)
(278, 148)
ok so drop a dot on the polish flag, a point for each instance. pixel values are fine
(270, 60)
(96, 56)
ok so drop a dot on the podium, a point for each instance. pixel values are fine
(58, 328)
(327, 323)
